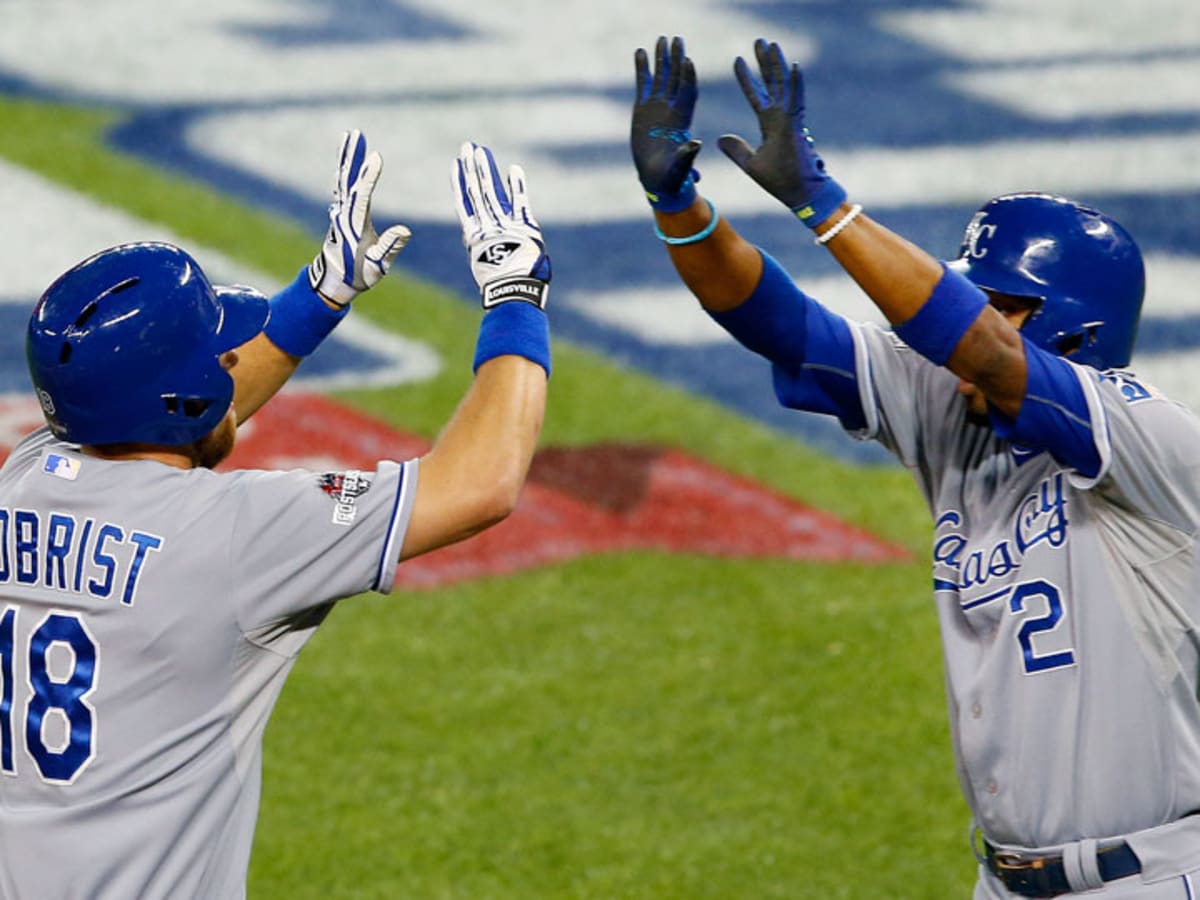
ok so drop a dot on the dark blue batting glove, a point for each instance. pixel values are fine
(786, 163)
(662, 144)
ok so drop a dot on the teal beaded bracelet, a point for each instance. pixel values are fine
(691, 238)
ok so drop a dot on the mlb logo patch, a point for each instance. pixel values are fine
(61, 466)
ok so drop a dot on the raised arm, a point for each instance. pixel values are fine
(939, 314)
(958, 329)
(353, 258)
(473, 475)
(719, 266)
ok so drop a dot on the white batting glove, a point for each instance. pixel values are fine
(354, 258)
(503, 240)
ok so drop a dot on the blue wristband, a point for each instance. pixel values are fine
(300, 319)
(822, 205)
(514, 328)
(944, 318)
(677, 202)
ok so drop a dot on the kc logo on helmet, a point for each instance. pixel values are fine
(976, 231)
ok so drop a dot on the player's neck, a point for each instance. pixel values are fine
(178, 457)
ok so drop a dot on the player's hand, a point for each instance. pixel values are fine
(660, 137)
(786, 163)
(354, 258)
(503, 240)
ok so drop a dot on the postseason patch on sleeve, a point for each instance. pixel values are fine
(345, 488)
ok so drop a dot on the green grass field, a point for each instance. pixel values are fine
(633, 726)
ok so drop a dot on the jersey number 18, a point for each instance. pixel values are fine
(50, 696)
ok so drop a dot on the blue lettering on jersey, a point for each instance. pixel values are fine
(145, 543)
(1043, 516)
(1132, 389)
(58, 543)
(59, 552)
(98, 587)
(1040, 518)
(25, 536)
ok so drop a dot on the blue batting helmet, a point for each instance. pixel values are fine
(125, 347)
(1083, 267)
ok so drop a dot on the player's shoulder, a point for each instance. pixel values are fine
(1132, 398)
(31, 447)
(1129, 386)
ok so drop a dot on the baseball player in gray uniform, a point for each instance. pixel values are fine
(1064, 490)
(151, 608)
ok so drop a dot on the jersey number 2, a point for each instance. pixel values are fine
(1037, 625)
(62, 697)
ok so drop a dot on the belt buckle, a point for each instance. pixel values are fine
(1027, 877)
(1013, 862)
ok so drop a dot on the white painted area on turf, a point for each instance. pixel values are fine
(207, 52)
(1005, 31)
(1068, 59)
(672, 317)
(669, 317)
(1063, 93)
(86, 226)
(420, 140)
(1171, 285)
(524, 81)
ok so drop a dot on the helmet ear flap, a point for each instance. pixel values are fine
(125, 346)
(1084, 338)
(187, 407)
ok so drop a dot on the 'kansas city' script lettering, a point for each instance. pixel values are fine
(1041, 517)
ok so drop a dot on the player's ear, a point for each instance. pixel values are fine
(228, 359)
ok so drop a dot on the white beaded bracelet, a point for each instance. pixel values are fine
(840, 225)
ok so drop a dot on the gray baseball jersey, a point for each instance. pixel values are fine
(1068, 604)
(148, 618)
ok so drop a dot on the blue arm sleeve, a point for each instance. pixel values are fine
(1054, 415)
(811, 348)
(772, 321)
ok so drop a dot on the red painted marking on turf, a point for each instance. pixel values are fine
(597, 499)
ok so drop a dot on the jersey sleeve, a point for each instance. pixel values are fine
(911, 407)
(1150, 460)
(810, 348)
(31, 445)
(821, 362)
(897, 388)
(302, 539)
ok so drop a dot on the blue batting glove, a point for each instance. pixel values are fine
(503, 240)
(662, 144)
(786, 163)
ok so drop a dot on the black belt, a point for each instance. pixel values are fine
(1047, 877)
